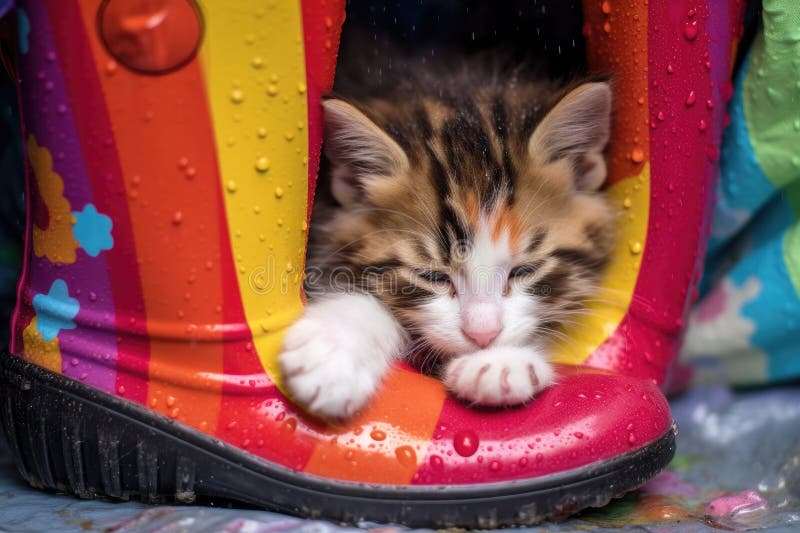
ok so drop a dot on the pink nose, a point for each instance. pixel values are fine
(483, 338)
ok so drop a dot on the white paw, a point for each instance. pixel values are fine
(335, 356)
(504, 375)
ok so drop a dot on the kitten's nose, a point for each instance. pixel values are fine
(483, 337)
(482, 322)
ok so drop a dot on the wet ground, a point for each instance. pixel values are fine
(737, 468)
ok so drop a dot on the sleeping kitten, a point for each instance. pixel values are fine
(467, 227)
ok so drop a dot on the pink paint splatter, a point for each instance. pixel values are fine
(746, 501)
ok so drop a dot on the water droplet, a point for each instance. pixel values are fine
(670, 69)
(637, 155)
(797, 124)
(237, 96)
(465, 443)
(660, 116)
(578, 435)
(171, 401)
(257, 62)
(174, 412)
(289, 425)
(406, 456)
(635, 247)
(272, 89)
(691, 13)
(631, 438)
(702, 125)
(607, 27)
(121, 390)
(256, 209)
(177, 218)
(605, 7)
(377, 434)
(627, 203)
(278, 192)
(690, 100)
(301, 87)
(436, 461)
(262, 164)
(231, 186)
(690, 30)
(92, 296)
(495, 466)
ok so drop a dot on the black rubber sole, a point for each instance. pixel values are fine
(71, 438)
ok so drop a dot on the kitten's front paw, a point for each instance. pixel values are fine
(503, 375)
(323, 368)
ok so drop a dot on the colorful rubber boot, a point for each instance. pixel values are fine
(173, 150)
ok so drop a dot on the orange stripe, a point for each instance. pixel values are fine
(156, 121)
(390, 450)
(618, 45)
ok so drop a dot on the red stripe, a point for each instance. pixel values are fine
(322, 24)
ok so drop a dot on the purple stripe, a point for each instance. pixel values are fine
(89, 351)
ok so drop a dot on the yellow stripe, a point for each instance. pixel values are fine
(254, 64)
(631, 198)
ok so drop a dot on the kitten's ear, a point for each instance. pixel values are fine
(577, 129)
(358, 150)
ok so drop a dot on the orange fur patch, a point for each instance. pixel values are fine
(507, 220)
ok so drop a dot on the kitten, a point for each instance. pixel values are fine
(467, 226)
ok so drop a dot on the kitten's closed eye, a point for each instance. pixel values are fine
(525, 270)
(434, 277)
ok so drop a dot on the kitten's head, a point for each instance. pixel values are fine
(476, 220)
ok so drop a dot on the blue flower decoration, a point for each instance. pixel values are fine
(92, 230)
(23, 29)
(55, 310)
